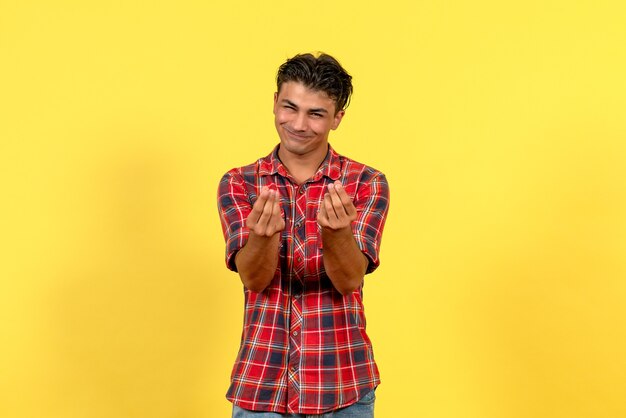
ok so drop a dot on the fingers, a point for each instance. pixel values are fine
(326, 216)
(333, 211)
(276, 223)
(322, 215)
(341, 193)
(341, 202)
(266, 213)
(259, 205)
(336, 210)
(265, 218)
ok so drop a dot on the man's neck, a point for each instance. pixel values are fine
(301, 167)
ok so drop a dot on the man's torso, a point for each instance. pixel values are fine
(304, 347)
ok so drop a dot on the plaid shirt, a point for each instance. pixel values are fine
(304, 348)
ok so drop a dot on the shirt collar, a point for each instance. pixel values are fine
(330, 167)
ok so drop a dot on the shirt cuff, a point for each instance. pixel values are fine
(368, 247)
(234, 243)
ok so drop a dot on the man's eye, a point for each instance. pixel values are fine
(290, 107)
(317, 115)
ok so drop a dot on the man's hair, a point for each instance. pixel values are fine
(321, 73)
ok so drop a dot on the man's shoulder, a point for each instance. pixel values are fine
(353, 168)
(249, 171)
(245, 169)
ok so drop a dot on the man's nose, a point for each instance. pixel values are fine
(299, 123)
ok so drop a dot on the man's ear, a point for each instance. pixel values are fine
(337, 119)
(275, 101)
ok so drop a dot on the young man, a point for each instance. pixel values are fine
(302, 228)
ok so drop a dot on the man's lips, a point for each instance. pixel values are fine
(296, 134)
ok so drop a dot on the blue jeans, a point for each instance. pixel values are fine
(364, 408)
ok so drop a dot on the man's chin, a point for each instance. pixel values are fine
(294, 149)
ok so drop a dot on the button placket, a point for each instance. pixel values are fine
(295, 340)
(296, 302)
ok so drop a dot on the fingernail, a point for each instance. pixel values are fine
(331, 186)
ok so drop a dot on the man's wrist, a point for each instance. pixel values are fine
(262, 241)
(337, 236)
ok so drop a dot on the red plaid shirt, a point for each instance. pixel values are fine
(304, 348)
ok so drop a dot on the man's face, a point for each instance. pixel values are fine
(303, 119)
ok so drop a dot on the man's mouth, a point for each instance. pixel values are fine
(296, 134)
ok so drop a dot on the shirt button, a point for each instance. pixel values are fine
(301, 190)
(298, 224)
(295, 333)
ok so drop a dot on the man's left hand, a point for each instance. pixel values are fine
(337, 210)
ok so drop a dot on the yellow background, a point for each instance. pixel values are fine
(501, 127)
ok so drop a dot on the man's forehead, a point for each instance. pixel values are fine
(300, 94)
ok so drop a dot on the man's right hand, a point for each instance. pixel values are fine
(258, 258)
(265, 220)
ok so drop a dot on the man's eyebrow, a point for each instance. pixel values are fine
(290, 103)
(313, 110)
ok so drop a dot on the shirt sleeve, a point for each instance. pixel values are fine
(234, 207)
(372, 204)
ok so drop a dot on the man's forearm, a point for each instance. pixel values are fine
(344, 262)
(257, 261)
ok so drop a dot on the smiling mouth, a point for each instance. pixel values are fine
(297, 135)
